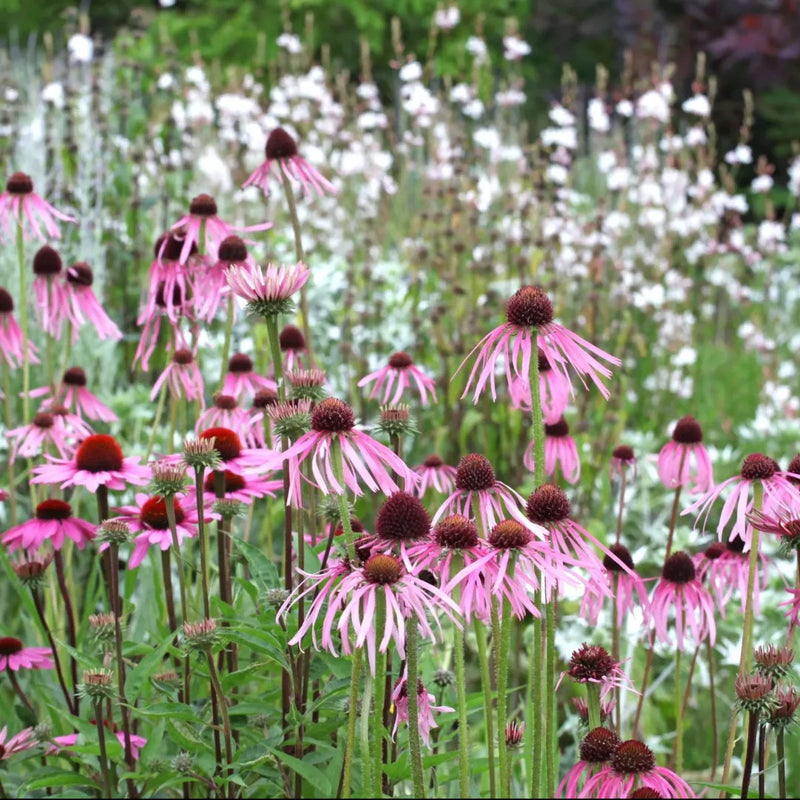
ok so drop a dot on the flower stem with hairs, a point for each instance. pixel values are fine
(502, 637)
(352, 717)
(8, 401)
(486, 680)
(461, 691)
(72, 637)
(101, 740)
(414, 746)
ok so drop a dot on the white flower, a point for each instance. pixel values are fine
(598, 116)
(215, 172)
(695, 136)
(461, 93)
(166, 3)
(762, 183)
(557, 174)
(560, 115)
(794, 176)
(653, 105)
(411, 71)
(473, 109)
(624, 108)
(290, 43)
(476, 47)
(54, 93)
(698, 105)
(511, 97)
(741, 154)
(165, 81)
(81, 48)
(560, 137)
(606, 161)
(447, 18)
(516, 48)
(488, 138)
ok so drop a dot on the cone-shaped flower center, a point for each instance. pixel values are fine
(678, 568)
(154, 513)
(529, 307)
(758, 467)
(383, 569)
(687, 431)
(622, 553)
(99, 453)
(47, 261)
(183, 356)
(43, 420)
(233, 482)
(280, 145)
(714, 551)
(599, 745)
(6, 302)
(161, 300)
(509, 535)
(9, 646)
(546, 504)
(735, 545)
(557, 429)
(623, 452)
(456, 533)
(633, 757)
(226, 442)
(224, 402)
(53, 509)
(332, 416)
(174, 245)
(232, 248)
(74, 376)
(794, 464)
(402, 518)
(264, 398)
(239, 362)
(80, 274)
(291, 338)
(400, 360)
(474, 474)
(19, 183)
(203, 205)
(590, 662)
(433, 461)
(771, 659)
(646, 793)
(753, 688)
(544, 361)
(791, 529)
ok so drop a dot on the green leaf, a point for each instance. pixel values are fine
(145, 668)
(262, 568)
(316, 777)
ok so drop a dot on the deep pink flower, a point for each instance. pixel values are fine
(554, 391)
(684, 461)
(24, 740)
(14, 656)
(426, 708)
(49, 291)
(623, 460)
(679, 590)
(225, 412)
(435, 474)
(235, 458)
(777, 489)
(43, 431)
(529, 317)
(283, 162)
(212, 278)
(62, 743)
(633, 765)
(202, 220)
(560, 450)
(267, 290)
(73, 392)
(20, 205)
(52, 522)
(793, 606)
(82, 305)
(593, 664)
(597, 748)
(244, 488)
(397, 376)
(363, 459)
(98, 461)
(11, 348)
(242, 381)
(171, 282)
(183, 377)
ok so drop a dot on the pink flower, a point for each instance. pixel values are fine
(293, 345)
(235, 458)
(554, 391)
(11, 349)
(777, 488)
(202, 220)
(622, 460)
(71, 739)
(52, 522)
(596, 749)
(14, 657)
(49, 292)
(171, 282)
(183, 377)
(632, 766)
(82, 305)
(225, 412)
(593, 664)
(435, 474)
(284, 162)
(97, 462)
(426, 708)
(212, 279)
(333, 435)
(399, 374)
(73, 392)
(20, 205)
(24, 740)
(268, 292)
(560, 450)
(244, 488)
(43, 431)
(242, 380)
(409, 601)
(529, 317)
(793, 606)
(479, 494)
(684, 461)
(680, 590)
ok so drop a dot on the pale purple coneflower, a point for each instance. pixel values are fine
(242, 380)
(63, 743)
(19, 742)
(38, 435)
(596, 749)
(202, 220)
(591, 663)
(52, 523)
(333, 435)
(225, 412)
(401, 521)
(98, 461)
(283, 162)
(171, 282)
(21, 206)
(783, 520)
(560, 450)
(777, 489)
(529, 316)
(436, 475)
(623, 461)
(399, 374)
(293, 347)
(83, 305)
(684, 460)
(212, 280)
(479, 494)
(234, 457)
(182, 376)
(793, 609)
(633, 766)
(11, 347)
(73, 392)
(48, 290)
(554, 391)
(268, 291)
(14, 656)
(242, 487)
(425, 705)
(150, 321)
(679, 589)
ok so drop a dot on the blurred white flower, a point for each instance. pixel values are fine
(653, 105)
(560, 115)
(476, 47)
(473, 109)
(624, 108)
(762, 183)
(695, 136)
(598, 116)
(515, 48)
(54, 93)
(510, 97)
(698, 105)
(165, 81)
(290, 43)
(411, 71)
(487, 138)
(81, 48)
(560, 137)
(215, 172)
(166, 3)
(446, 18)
(557, 174)
(741, 154)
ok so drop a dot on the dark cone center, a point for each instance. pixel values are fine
(99, 453)
(758, 467)
(9, 646)
(456, 533)
(474, 474)
(232, 248)
(622, 553)
(332, 416)
(154, 513)
(678, 568)
(687, 431)
(590, 662)
(280, 145)
(182, 356)
(402, 518)
(47, 261)
(548, 503)
(74, 376)
(557, 429)
(599, 745)
(80, 274)
(383, 569)
(6, 302)
(633, 757)
(529, 307)
(19, 183)
(240, 363)
(291, 338)
(623, 452)
(226, 442)
(509, 535)
(204, 205)
(43, 420)
(53, 509)
(433, 462)
(400, 360)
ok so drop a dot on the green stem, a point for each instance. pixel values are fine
(533, 744)
(414, 747)
(271, 321)
(226, 345)
(486, 680)
(673, 517)
(678, 713)
(459, 656)
(536, 413)
(101, 739)
(368, 787)
(223, 708)
(202, 534)
(551, 729)
(750, 749)
(352, 717)
(781, 763)
(503, 638)
(23, 319)
(162, 397)
(380, 692)
(593, 704)
(173, 527)
(8, 404)
(39, 603)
